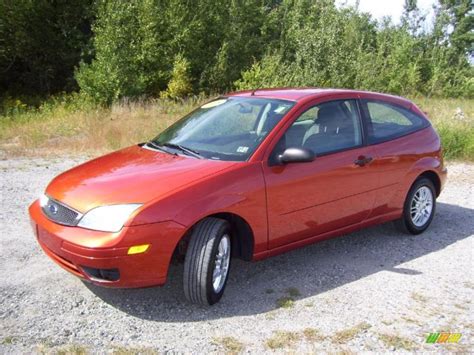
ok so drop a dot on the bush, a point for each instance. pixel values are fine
(129, 59)
(454, 121)
(323, 46)
(457, 139)
(138, 49)
(10, 106)
(179, 85)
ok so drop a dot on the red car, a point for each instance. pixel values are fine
(248, 175)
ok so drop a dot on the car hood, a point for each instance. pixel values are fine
(130, 175)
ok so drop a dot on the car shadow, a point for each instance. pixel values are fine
(255, 287)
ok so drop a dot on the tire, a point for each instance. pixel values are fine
(409, 223)
(206, 245)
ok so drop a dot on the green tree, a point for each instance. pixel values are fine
(447, 47)
(40, 44)
(130, 42)
(147, 47)
(319, 46)
(180, 84)
(460, 20)
(242, 42)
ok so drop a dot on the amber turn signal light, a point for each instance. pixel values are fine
(138, 249)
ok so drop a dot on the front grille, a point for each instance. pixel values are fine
(59, 213)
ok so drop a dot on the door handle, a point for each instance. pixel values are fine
(363, 160)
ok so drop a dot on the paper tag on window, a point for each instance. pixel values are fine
(242, 149)
(214, 103)
(280, 109)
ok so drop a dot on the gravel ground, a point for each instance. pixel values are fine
(374, 290)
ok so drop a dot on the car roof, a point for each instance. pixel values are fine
(297, 94)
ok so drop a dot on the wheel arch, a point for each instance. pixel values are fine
(434, 178)
(429, 167)
(243, 240)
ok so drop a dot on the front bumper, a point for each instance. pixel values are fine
(443, 177)
(80, 250)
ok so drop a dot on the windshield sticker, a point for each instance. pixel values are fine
(242, 149)
(281, 109)
(214, 103)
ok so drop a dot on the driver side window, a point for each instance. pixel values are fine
(325, 128)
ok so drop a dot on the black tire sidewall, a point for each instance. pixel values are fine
(412, 228)
(212, 296)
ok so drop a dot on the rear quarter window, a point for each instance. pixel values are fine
(387, 121)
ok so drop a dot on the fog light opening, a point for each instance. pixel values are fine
(102, 274)
(138, 249)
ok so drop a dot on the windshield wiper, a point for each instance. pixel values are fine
(186, 150)
(156, 146)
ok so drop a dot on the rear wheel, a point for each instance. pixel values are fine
(207, 261)
(419, 207)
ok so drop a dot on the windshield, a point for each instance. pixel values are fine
(229, 128)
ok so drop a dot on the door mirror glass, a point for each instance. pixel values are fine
(296, 155)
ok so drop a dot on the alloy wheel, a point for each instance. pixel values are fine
(222, 261)
(421, 206)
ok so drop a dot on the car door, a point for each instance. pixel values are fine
(335, 190)
(389, 126)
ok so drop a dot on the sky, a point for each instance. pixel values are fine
(381, 8)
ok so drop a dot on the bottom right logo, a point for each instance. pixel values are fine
(443, 338)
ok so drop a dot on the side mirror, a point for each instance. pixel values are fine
(296, 155)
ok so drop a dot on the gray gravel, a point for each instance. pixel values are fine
(374, 290)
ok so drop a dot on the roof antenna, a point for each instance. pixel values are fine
(254, 91)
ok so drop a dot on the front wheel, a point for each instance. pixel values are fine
(419, 207)
(207, 261)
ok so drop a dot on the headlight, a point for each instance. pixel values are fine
(43, 200)
(107, 218)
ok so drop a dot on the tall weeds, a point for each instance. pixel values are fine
(67, 127)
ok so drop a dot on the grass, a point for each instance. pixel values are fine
(469, 284)
(270, 315)
(461, 306)
(61, 128)
(230, 344)
(312, 335)
(289, 300)
(285, 302)
(412, 321)
(76, 349)
(282, 339)
(8, 340)
(132, 351)
(72, 349)
(397, 342)
(293, 292)
(454, 121)
(69, 125)
(47, 347)
(346, 335)
(419, 297)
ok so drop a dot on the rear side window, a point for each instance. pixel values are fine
(387, 121)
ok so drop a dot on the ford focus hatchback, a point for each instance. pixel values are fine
(248, 175)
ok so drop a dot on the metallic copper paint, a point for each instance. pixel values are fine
(130, 175)
(80, 247)
(285, 206)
